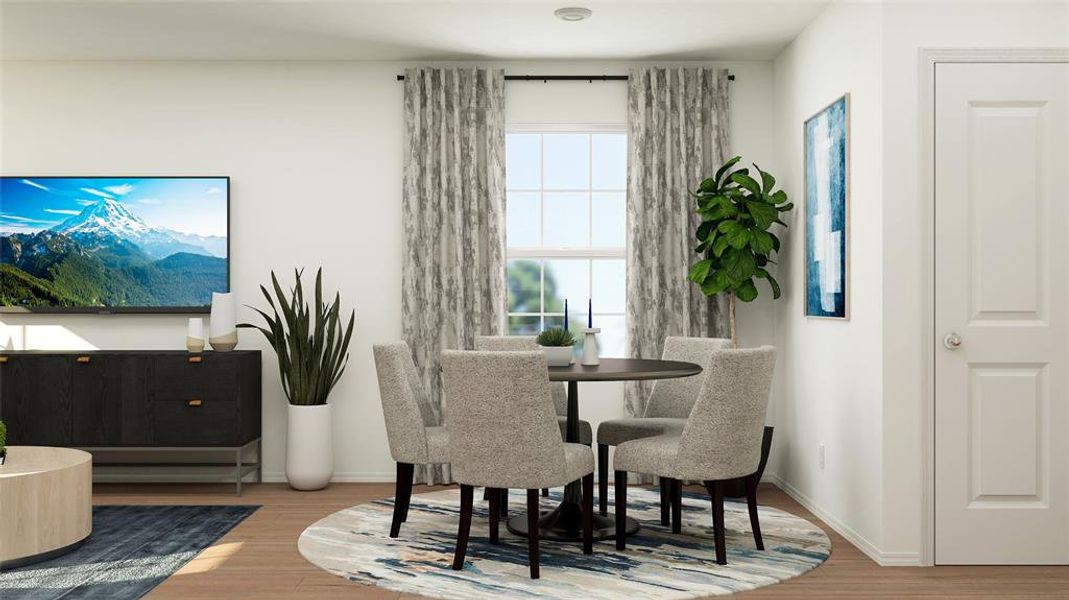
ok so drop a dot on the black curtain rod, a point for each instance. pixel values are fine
(545, 78)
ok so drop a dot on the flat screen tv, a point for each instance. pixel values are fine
(113, 244)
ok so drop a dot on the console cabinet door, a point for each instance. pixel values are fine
(35, 400)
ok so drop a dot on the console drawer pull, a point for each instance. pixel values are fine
(195, 359)
(82, 359)
(3, 359)
(196, 402)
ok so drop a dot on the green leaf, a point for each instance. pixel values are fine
(764, 214)
(771, 281)
(786, 207)
(779, 197)
(709, 185)
(746, 182)
(724, 169)
(761, 242)
(729, 226)
(739, 264)
(704, 230)
(767, 180)
(746, 291)
(775, 242)
(739, 238)
(720, 245)
(699, 271)
(716, 284)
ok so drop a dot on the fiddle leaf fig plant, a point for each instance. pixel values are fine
(737, 212)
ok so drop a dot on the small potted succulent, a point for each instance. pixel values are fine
(557, 344)
(3, 442)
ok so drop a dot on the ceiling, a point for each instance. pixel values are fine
(397, 30)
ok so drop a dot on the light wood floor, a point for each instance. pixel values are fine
(259, 558)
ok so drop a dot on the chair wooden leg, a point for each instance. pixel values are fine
(409, 472)
(495, 507)
(677, 506)
(588, 514)
(545, 492)
(467, 494)
(402, 493)
(751, 503)
(621, 509)
(532, 531)
(666, 499)
(716, 492)
(603, 478)
(504, 507)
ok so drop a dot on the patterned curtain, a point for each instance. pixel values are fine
(453, 273)
(677, 136)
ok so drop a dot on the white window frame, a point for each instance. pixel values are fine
(542, 253)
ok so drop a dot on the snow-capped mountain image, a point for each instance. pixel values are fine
(112, 242)
(108, 218)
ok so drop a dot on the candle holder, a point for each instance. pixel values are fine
(590, 346)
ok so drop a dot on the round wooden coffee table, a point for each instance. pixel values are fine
(46, 503)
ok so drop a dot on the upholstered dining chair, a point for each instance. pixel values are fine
(669, 404)
(413, 440)
(527, 343)
(503, 434)
(720, 441)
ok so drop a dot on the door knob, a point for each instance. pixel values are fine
(952, 341)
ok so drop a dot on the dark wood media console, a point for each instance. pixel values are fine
(135, 401)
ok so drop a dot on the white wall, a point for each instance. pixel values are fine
(829, 371)
(909, 27)
(314, 151)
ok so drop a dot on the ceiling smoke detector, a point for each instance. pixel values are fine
(572, 13)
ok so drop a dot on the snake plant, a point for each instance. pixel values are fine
(312, 347)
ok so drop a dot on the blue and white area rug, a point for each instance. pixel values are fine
(131, 550)
(354, 543)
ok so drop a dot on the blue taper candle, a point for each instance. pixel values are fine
(565, 314)
(589, 313)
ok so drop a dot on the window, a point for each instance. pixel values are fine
(566, 230)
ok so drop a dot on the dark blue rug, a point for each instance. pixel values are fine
(132, 549)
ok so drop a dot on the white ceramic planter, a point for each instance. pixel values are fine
(309, 447)
(558, 356)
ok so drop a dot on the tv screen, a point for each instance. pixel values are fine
(113, 244)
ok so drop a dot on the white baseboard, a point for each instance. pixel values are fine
(884, 559)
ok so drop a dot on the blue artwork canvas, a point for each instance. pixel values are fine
(827, 181)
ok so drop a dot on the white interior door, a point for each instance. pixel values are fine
(1002, 303)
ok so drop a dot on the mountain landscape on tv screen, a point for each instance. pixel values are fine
(104, 255)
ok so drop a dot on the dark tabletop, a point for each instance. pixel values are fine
(624, 369)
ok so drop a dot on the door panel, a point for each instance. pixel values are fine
(35, 400)
(1001, 264)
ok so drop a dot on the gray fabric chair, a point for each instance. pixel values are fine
(503, 434)
(720, 441)
(413, 440)
(527, 343)
(669, 404)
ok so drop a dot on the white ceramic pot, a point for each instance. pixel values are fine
(309, 447)
(558, 356)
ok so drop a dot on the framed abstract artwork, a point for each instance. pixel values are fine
(827, 211)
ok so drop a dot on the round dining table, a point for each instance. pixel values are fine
(565, 522)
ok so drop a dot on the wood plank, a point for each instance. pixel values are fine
(266, 564)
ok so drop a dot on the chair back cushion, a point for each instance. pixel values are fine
(673, 398)
(722, 437)
(524, 343)
(502, 429)
(404, 402)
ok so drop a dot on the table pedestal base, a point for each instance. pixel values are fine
(565, 524)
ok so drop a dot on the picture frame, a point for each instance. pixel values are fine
(826, 212)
